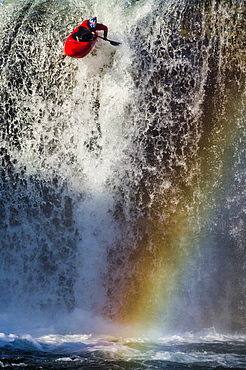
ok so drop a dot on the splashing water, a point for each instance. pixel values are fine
(122, 174)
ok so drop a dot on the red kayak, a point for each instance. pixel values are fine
(78, 49)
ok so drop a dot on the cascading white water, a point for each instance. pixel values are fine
(65, 142)
(100, 155)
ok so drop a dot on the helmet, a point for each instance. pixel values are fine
(93, 22)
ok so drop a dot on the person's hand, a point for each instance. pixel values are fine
(93, 34)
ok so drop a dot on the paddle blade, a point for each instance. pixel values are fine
(114, 43)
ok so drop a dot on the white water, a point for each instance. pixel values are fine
(83, 146)
(77, 141)
(75, 350)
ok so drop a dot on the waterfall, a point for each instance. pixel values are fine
(123, 174)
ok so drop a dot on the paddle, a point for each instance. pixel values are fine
(114, 43)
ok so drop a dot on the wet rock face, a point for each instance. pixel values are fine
(189, 112)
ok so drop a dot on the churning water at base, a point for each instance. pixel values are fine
(122, 186)
(203, 351)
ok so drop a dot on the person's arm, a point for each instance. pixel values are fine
(102, 27)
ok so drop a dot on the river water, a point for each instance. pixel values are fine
(206, 350)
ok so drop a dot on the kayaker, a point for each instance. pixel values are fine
(85, 32)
